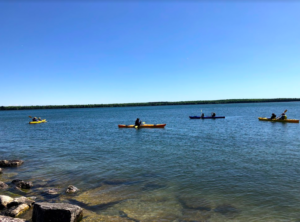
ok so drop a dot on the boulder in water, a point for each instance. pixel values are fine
(11, 163)
(59, 212)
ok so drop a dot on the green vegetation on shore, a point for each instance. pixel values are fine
(223, 101)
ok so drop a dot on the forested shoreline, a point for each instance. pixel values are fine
(223, 101)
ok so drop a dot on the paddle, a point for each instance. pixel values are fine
(30, 117)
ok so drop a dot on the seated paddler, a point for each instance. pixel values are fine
(273, 116)
(202, 115)
(213, 115)
(34, 119)
(283, 116)
(137, 122)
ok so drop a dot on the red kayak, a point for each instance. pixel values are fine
(144, 126)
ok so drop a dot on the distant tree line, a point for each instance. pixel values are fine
(222, 101)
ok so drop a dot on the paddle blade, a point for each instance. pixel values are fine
(30, 117)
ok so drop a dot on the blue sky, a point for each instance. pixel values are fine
(94, 52)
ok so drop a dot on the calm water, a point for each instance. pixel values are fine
(249, 167)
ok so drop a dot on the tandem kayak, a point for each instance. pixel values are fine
(144, 126)
(35, 122)
(279, 120)
(206, 117)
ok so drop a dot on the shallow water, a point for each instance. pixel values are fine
(232, 169)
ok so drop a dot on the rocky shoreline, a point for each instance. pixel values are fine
(113, 200)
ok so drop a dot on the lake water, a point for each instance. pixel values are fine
(232, 169)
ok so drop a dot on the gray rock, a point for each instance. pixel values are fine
(17, 210)
(72, 189)
(11, 163)
(21, 200)
(10, 219)
(3, 185)
(52, 191)
(58, 212)
(5, 200)
(22, 184)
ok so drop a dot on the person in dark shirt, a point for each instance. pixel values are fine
(202, 115)
(213, 114)
(137, 122)
(273, 116)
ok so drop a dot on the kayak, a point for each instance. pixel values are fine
(144, 126)
(279, 120)
(35, 122)
(206, 117)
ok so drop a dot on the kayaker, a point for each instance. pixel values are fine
(213, 114)
(273, 116)
(137, 122)
(202, 115)
(283, 116)
(34, 119)
(39, 119)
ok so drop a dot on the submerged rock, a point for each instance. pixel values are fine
(90, 216)
(106, 194)
(4, 201)
(3, 185)
(11, 163)
(227, 210)
(195, 203)
(58, 212)
(52, 191)
(22, 184)
(72, 189)
(10, 219)
(156, 205)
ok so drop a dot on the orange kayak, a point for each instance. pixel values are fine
(279, 120)
(144, 126)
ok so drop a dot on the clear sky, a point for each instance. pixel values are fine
(92, 52)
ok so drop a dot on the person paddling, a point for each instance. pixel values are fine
(137, 122)
(213, 114)
(273, 116)
(283, 116)
(202, 115)
(34, 119)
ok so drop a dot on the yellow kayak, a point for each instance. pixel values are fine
(35, 122)
(279, 120)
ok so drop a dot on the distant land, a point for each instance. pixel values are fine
(222, 101)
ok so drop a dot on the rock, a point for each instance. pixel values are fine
(3, 185)
(156, 205)
(0, 170)
(58, 212)
(90, 216)
(17, 210)
(72, 189)
(5, 200)
(10, 219)
(52, 191)
(11, 163)
(22, 184)
(106, 195)
(195, 203)
(227, 210)
(21, 200)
